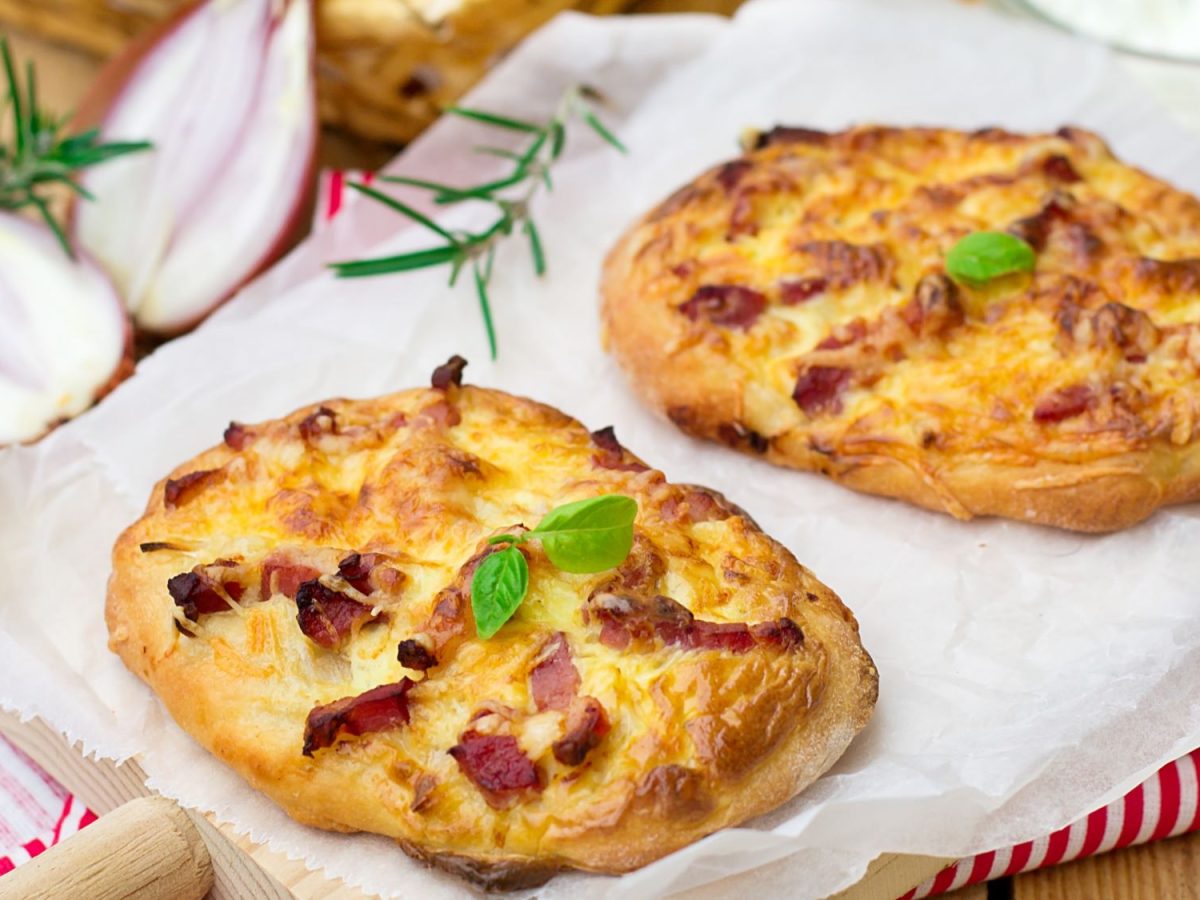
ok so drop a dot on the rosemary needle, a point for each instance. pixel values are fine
(530, 172)
(38, 153)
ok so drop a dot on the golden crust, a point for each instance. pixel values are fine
(701, 739)
(793, 304)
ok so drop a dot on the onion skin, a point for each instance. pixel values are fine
(106, 93)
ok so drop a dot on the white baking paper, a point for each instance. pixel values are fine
(1027, 675)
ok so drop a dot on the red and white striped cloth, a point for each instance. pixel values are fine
(36, 811)
(1164, 805)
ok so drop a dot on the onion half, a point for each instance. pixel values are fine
(226, 94)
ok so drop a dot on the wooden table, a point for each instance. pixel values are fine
(1168, 870)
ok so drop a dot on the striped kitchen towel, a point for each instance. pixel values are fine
(36, 811)
(1164, 805)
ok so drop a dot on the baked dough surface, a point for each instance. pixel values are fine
(496, 773)
(794, 304)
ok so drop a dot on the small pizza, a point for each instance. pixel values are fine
(310, 600)
(801, 303)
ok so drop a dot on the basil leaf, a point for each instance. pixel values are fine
(497, 589)
(589, 535)
(985, 255)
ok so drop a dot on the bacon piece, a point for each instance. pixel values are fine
(238, 436)
(379, 709)
(316, 424)
(179, 491)
(1035, 230)
(794, 291)
(612, 454)
(1174, 276)
(627, 619)
(790, 134)
(694, 506)
(357, 568)
(731, 173)
(554, 681)
(282, 576)
(934, 307)
(449, 373)
(586, 725)
(196, 594)
(496, 764)
(783, 633)
(1059, 168)
(1128, 329)
(730, 305)
(441, 414)
(412, 654)
(737, 435)
(1064, 403)
(819, 389)
(844, 264)
(328, 617)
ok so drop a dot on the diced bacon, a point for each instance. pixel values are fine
(179, 491)
(442, 414)
(732, 636)
(196, 594)
(731, 173)
(379, 709)
(1064, 403)
(1128, 329)
(613, 634)
(737, 435)
(587, 723)
(794, 291)
(783, 633)
(328, 617)
(554, 681)
(819, 389)
(238, 436)
(1059, 168)
(280, 575)
(496, 764)
(316, 424)
(934, 307)
(449, 373)
(729, 305)
(1035, 230)
(357, 568)
(612, 454)
(412, 654)
(844, 264)
(627, 619)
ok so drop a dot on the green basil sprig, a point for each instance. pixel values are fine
(586, 536)
(984, 255)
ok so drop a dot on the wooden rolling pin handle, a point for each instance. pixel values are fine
(147, 849)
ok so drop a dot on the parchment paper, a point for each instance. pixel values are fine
(1027, 675)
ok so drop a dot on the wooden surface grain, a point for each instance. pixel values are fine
(1168, 870)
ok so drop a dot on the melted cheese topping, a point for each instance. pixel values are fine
(424, 477)
(1110, 316)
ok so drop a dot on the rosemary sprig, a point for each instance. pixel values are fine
(509, 195)
(38, 153)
